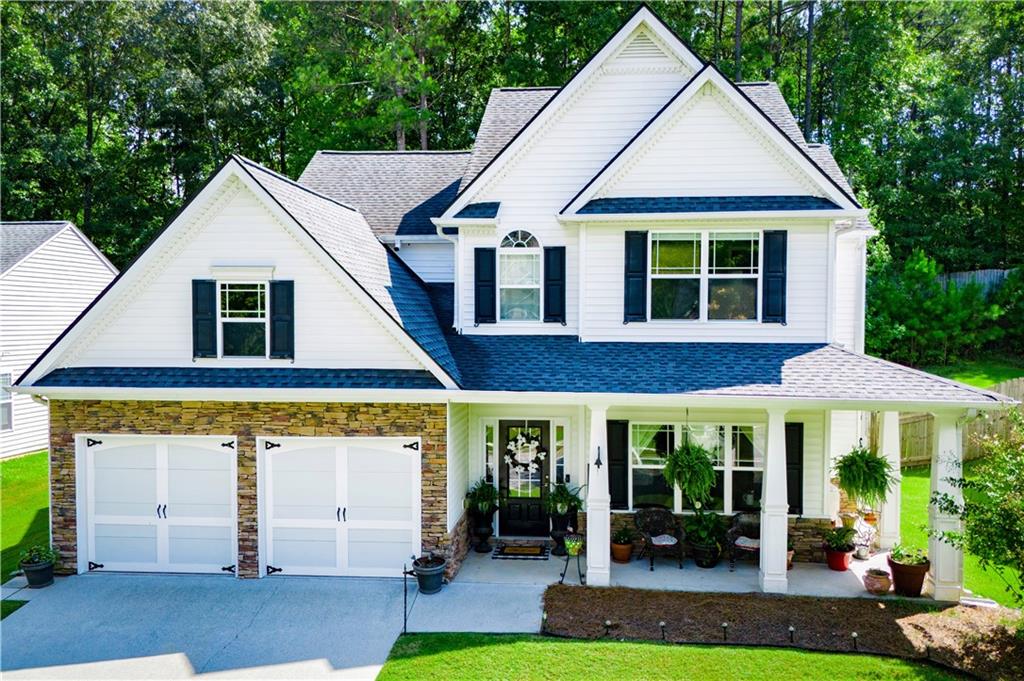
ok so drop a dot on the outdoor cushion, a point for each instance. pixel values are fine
(664, 540)
(748, 543)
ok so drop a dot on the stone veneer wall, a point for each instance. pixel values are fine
(246, 421)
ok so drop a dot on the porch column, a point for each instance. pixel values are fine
(889, 446)
(599, 518)
(947, 563)
(774, 507)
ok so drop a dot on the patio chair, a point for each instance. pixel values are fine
(743, 537)
(661, 532)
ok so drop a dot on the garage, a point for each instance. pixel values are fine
(160, 503)
(338, 506)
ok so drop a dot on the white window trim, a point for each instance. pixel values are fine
(537, 251)
(7, 398)
(705, 275)
(221, 320)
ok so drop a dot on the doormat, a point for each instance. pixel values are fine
(506, 552)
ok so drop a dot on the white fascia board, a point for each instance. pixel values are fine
(790, 215)
(680, 401)
(443, 222)
(643, 16)
(756, 117)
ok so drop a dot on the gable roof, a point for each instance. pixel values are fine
(18, 240)
(397, 192)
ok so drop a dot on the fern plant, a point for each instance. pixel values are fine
(689, 468)
(865, 476)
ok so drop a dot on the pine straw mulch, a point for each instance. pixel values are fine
(976, 640)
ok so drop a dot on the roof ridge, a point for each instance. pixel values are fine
(392, 152)
(35, 222)
(298, 185)
(756, 82)
(525, 88)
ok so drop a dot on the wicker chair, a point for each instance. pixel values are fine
(743, 537)
(661, 532)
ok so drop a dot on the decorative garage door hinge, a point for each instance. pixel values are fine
(89, 442)
(271, 569)
(229, 445)
(93, 566)
(267, 444)
(412, 445)
(228, 568)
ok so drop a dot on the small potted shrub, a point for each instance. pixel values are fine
(36, 563)
(838, 545)
(429, 572)
(562, 505)
(481, 503)
(909, 566)
(877, 581)
(622, 545)
(704, 532)
(866, 477)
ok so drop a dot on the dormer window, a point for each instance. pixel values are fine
(243, 319)
(519, 277)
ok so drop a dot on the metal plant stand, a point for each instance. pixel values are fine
(573, 549)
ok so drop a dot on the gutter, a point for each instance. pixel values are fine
(710, 216)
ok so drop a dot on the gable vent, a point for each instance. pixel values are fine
(641, 47)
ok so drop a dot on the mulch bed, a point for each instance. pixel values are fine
(976, 640)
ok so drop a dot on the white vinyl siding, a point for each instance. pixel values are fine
(39, 298)
(433, 262)
(849, 300)
(458, 461)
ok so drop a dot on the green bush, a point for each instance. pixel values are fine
(1010, 298)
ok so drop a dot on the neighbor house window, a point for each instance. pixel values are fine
(243, 319)
(705, 275)
(519, 277)
(6, 403)
(649, 447)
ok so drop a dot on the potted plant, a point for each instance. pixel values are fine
(789, 553)
(481, 503)
(866, 477)
(429, 571)
(704, 533)
(562, 505)
(838, 545)
(877, 581)
(909, 566)
(689, 468)
(36, 563)
(622, 545)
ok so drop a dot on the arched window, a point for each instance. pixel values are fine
(519, 277)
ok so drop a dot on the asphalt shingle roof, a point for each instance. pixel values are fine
(19, 239)
(484, 209)
(703, 204)
(216, 377)
(397, 192)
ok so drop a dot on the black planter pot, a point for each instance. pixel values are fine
(38, 575)
(705, 555)
(483, 528)
(429, 573)
(560, 524)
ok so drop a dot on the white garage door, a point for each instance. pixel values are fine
(339, 506)
(160, 504)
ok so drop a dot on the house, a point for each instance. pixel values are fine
(304, 377)
(49, 272)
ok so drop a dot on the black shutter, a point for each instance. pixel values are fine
(636, 278)
(618, 463)
(204, 318)
(282, 320)
(795, 467)
(485, 296)
(554, 284)
(773, 280)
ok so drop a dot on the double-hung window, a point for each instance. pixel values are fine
(243, 319)
(733, 268)
(649, 448)
(6, 403)
(519, 277)
(675, 276)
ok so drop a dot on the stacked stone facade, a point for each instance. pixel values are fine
(247, 421)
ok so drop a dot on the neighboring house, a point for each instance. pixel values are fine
(306, 377)
(49, 272)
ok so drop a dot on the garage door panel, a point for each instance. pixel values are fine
(200, 493)
(125, 543)
(379, 549)
(203, 545)
(380, 486)
(308, 547)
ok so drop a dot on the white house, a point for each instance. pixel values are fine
(49, 273)
(306, 376)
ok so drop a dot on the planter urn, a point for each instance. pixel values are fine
(877, 584)
(483, 528)
(560, 523)
(429, 572)
(908, 580)
(38, 575)
(621, 553)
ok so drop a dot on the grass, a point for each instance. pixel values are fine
(24, 508)
(914, 498)
(504, 656)
(7, 607)
(982, 373)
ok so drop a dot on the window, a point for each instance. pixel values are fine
(243, 319)
(559, 457)
(6, 403)
(519, 277)
(489, 471)
(649, 447)
(705, 275)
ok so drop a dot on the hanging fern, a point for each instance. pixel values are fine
(865, 476)
(689, 468)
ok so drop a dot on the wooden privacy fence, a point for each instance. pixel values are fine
(986, 279)
(917, 430)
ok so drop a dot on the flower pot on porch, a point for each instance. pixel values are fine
(38, 575)
(483, 528)
(838, 560)
(877, 582)
(560, 524)
(622, 553)
(429, 573)
(705, 555)
(908, 580)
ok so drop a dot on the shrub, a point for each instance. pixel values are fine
(39, 553)
(623, 535)
(908, 555)
(1010, 298)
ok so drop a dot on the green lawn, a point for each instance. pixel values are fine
(24, 508)
(914, 498)
(982, 373)
(7, 607)
(497, 656)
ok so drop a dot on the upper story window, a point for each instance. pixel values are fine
(243, 319)
(519, 277)
(6, 403)
(705, 275)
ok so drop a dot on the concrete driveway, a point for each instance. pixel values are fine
(179, 626)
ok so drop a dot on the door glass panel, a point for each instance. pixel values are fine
(125, 543)
(200, 545)
(379, 484)
(199, 482)
(524, 470)
(305, 484)
(124, 481)
(387, 549)
(306, 546)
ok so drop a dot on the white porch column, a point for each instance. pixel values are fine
(947, 570)
(599, 517)
(774, 507)
(889, 445)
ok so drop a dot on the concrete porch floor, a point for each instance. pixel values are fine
(805, 579)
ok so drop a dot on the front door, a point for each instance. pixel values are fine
(524, 477)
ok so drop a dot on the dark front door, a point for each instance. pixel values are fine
(524, 465)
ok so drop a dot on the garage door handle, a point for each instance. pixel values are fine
(338, 514)
(343, 514)
(165, 510)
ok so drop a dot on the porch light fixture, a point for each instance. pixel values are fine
(792, 629)
(607, 627)
(598, 461)
(662, 625)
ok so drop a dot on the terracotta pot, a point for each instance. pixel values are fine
(877, 584)
(621, 553)
(908, 580)
(870, 518)
(838, 560)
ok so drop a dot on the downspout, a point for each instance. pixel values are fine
(457, 257)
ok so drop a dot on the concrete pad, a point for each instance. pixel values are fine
(482, 608)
